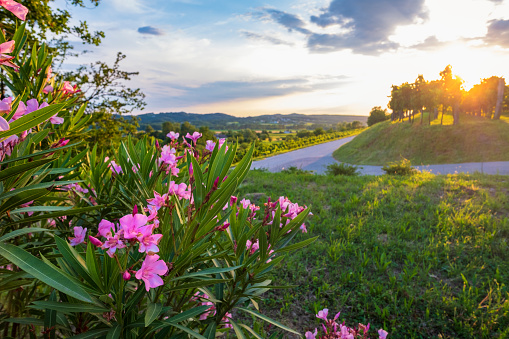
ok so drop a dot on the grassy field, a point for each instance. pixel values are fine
(473, 140)
(423, 256)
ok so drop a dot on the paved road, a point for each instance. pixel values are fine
(316, 158)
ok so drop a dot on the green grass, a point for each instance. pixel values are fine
(422, 256)
(473, 140)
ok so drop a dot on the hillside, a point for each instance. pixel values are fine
(222, 121)
(473, 140)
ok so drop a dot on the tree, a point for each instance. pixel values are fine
(104, 87)
(149, 129)
(377, 115)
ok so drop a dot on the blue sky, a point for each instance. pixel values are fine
(314, 57)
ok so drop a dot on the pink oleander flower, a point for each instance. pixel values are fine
(33, 105)
(68, 89)
(172, 135)
(7, 47)
(6, 105)
(221, 142)
(382, 334)
(209, 146)
(194, 137)
(52, 223)
(114, 167)
(105, 228)
(310, 335)
(126, 276)
(49, 70)
(179, 190)
(153, 214)
(303, 228)
(95, 241)
(79, 235)
(112, 244)
(20, 111)
(323, 314)
(245, 203)
(48, 89)
(226, 320)
(8, 144)
(56, 120)
(150, 271)
(131, 223)
(233, 200)
(148, 241)
(15, 8)
(158, 201)
(4, 125)
(252, 247)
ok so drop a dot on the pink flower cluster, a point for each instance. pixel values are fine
(212, 310)
(209, 145)
(32, 105)
(168, 160)
(135, 229)
(333, 330)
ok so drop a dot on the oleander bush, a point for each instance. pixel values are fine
(149, 243)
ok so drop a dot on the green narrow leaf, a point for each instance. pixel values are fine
(198, 284)
(114, 332)
(41, 209)
(267, 319)
(251, 330)
(193, 312)
(44, 272)
(297, 245)
(19, 169)
(191, 332)
(237, 329)
(22, 231)
(50, 316)
(153, 311)
(67, 308)
(32, 119)
(91, 334)
(213, 270)
(92, 265)
(210, 333)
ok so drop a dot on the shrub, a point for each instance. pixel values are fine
(295, 170)
(377, 115)
(341, 169)
(402, 167)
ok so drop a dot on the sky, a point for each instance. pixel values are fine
(256, 57)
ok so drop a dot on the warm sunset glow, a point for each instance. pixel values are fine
(297, 56)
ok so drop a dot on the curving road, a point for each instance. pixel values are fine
(316, 158)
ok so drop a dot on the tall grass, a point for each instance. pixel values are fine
(422, 256)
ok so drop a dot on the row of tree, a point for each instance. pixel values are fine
(489, 98)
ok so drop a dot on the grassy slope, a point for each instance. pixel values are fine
(430, 229)
(473, 140)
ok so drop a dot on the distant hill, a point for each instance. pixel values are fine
(226, 121)
(475, 139)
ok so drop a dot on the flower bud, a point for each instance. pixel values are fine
(126, 276)
(95, 241)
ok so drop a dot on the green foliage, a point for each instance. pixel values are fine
(341, 169)
(401, 167)
(376, 115)
(294, 170)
